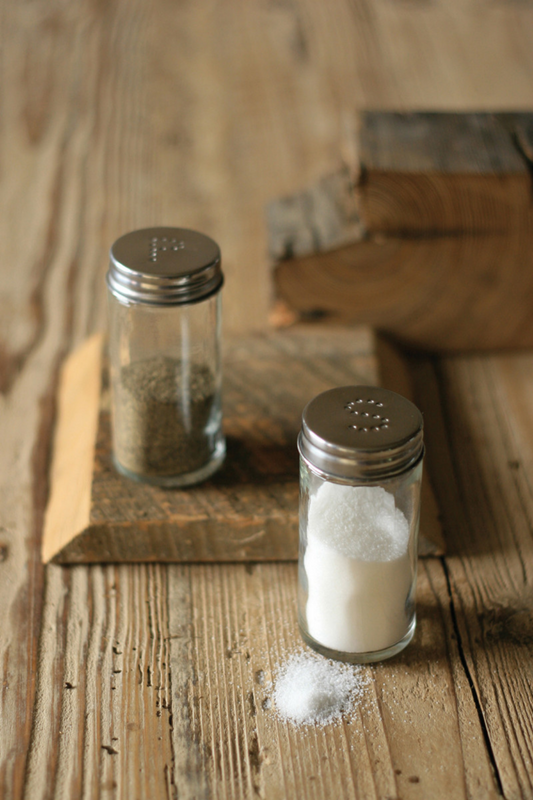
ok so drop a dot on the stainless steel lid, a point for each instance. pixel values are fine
(361, 432)
(164, 266)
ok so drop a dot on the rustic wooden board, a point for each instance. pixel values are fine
(431, 242)
(249, 510)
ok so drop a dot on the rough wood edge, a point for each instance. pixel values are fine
(422, 209)
(332, 213)
(418, 142)
(68, 510)
(322, 217)
(394, 374)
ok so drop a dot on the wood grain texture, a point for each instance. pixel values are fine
(434, 243)
(324, 217)
(443, 295)
(102, 721)
(479, 441)
(428, 174)
(241, 634)
(107, 127)
(164, 689)
(249, 510)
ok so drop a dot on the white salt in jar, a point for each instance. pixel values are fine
(361, 451)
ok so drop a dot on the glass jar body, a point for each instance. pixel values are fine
(357, 564)
(165, 369)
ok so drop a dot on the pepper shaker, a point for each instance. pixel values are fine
(164, 348)
(361, 453)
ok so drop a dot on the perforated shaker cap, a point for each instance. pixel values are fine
(361, 432)
(164, 266)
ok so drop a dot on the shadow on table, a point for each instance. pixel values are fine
(252, 461)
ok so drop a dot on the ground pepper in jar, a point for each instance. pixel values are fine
(158, 433)
(164, 289)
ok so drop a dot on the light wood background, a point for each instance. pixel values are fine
(146, 681)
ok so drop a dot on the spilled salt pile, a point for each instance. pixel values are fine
(310, 690)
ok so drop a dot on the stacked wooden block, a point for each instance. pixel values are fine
(432, 239)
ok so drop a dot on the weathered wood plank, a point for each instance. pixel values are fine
(445, 295)
(102, 718)
(249, 510)
(415, 734)
(79, 393)
(428, 173)
(429, 56)
(53, 198)
(324, 217)
(433, 242)
(479, 443)
(162, 687)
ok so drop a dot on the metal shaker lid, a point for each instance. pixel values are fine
(164, 266)
(361, 432)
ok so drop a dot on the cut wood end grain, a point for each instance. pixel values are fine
(319, 218)
(436, 244)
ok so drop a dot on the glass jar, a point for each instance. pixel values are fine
(361, 451)
(164, 350)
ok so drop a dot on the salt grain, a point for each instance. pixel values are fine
(311, 690)
(360, 522)
(358, 568)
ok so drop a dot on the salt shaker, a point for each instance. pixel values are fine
(164, 349)
(361, 452)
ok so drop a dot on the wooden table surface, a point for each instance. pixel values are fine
(152, 681)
